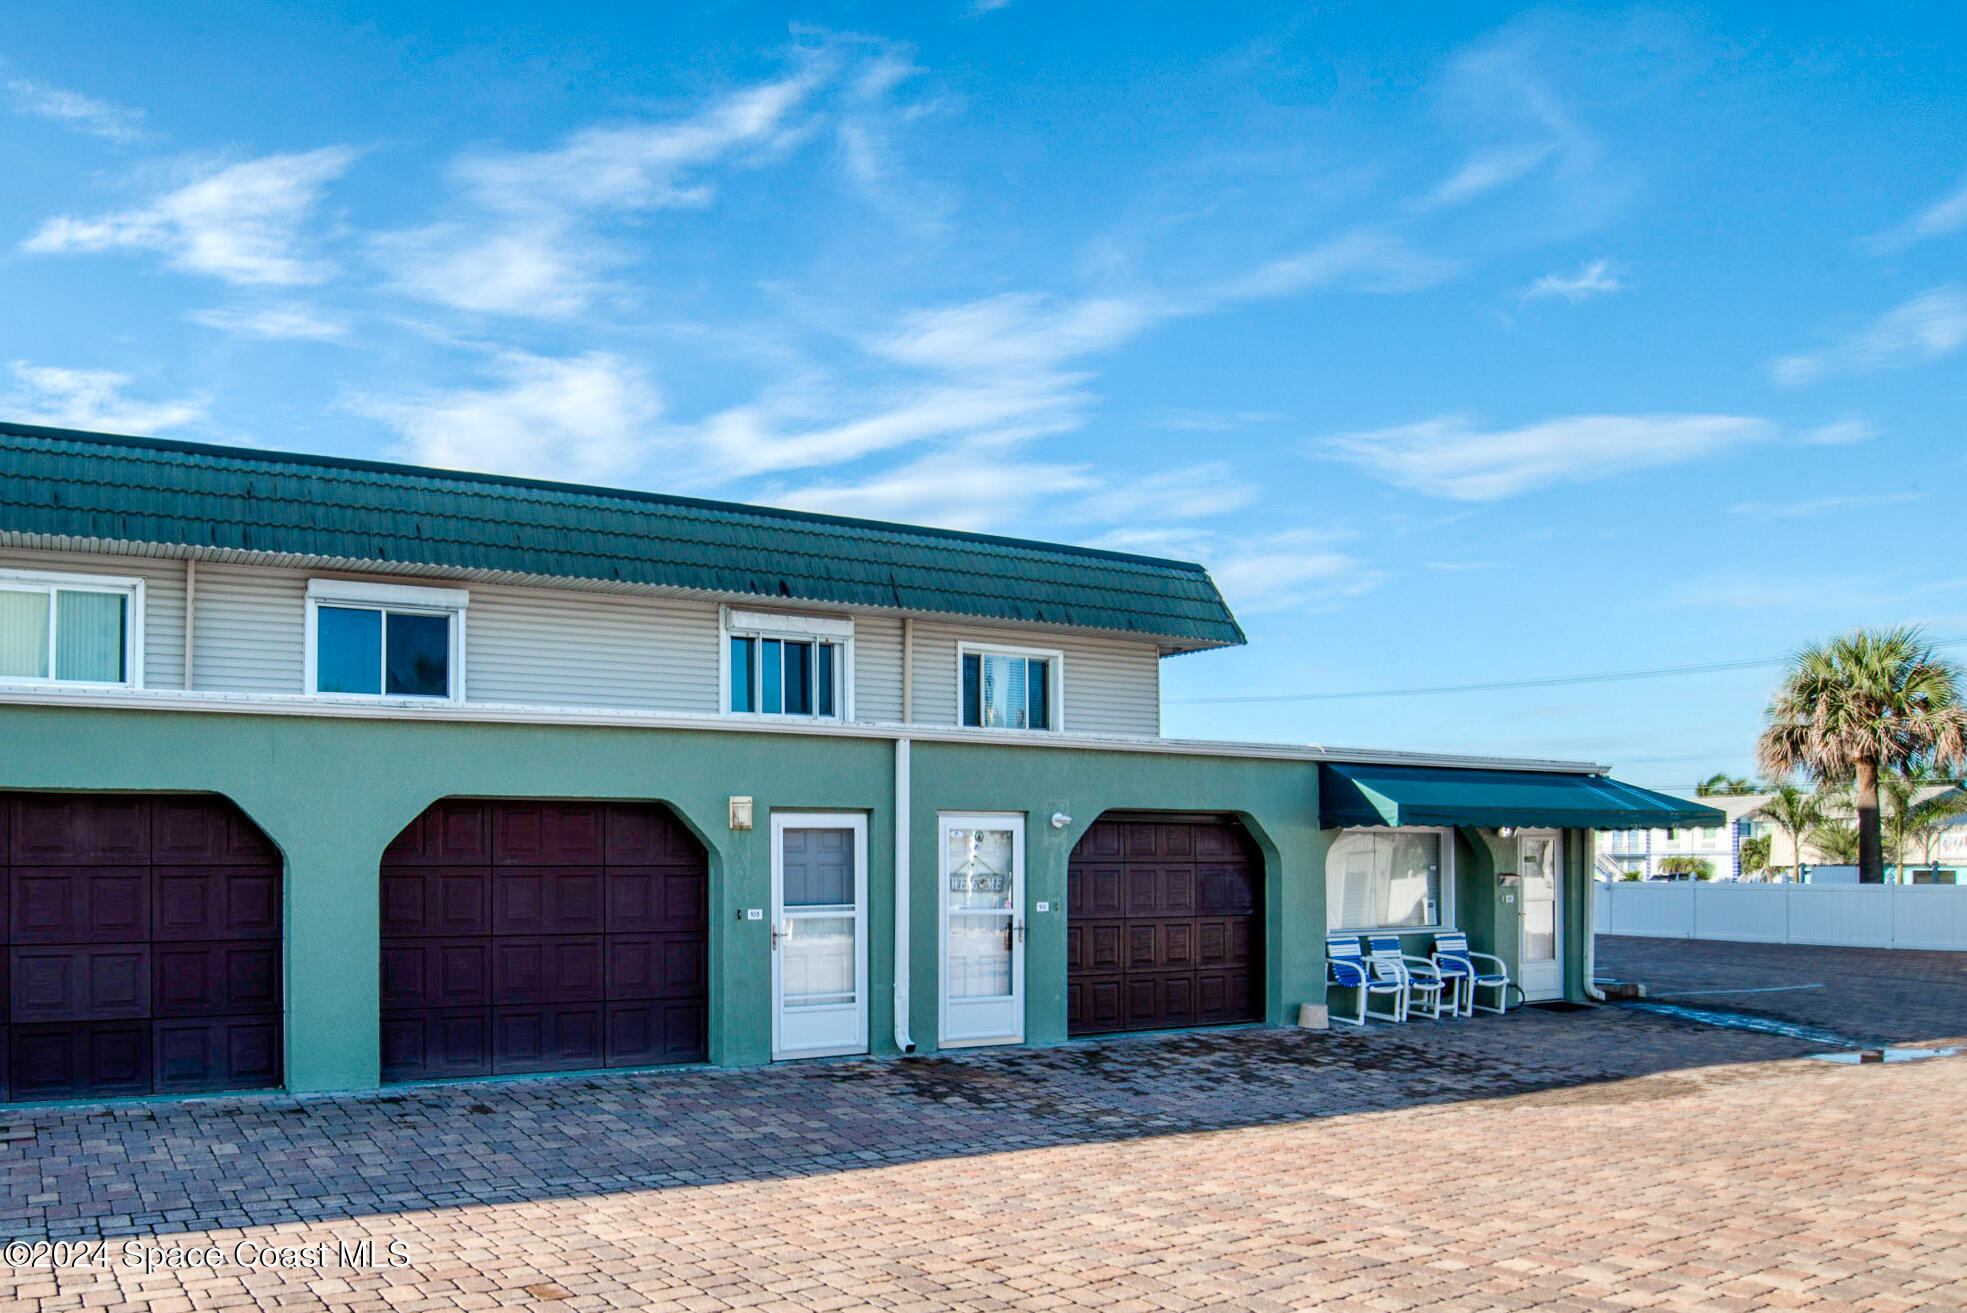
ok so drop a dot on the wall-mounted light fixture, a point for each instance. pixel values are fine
(1060, 820)
(1507, 832)
(740, 813)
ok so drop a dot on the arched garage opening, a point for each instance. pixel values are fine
(1164, 924)
(142, 941)
(523, 936)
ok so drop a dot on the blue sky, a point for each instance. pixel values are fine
(1464, 344)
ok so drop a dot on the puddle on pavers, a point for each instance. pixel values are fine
(1743, 1021)
(1852, 1051)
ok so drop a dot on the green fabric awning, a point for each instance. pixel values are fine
(1432, 795)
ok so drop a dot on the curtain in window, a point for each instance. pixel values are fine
(23, 635)
(1390, 880)
(89, 636)
(1004, 691)
(1008, 692)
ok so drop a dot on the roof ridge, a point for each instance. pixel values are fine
(271, 456)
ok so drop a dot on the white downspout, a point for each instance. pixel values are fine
(190, 618)
(908, 670)
(1592, 991)
(903, 961)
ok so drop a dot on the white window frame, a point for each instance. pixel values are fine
(738, 622)
(1054, 683)
(50, 582)
(413, 599)
(1445, 913)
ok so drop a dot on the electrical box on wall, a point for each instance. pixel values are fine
(740, 813)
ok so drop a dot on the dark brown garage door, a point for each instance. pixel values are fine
(542, 936)
(1163, 926)
(142, 944)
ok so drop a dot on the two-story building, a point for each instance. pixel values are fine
(325, 773)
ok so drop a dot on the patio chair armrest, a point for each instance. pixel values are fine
(1501, 965)
(1433, 971)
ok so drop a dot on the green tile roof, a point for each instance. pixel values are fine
(148, 490)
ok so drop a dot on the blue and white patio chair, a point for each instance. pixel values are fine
(1459, 963)
(1347, 968)
(1419, 979)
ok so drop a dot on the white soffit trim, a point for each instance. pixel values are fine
(354, 590)
(780, 622)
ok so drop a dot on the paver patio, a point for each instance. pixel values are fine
(1875, 995)
(1578, 1161)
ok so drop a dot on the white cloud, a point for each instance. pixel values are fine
(1204, 421)
(242, 223)
(1838, 433)
(591, 418)
(1946, 215)
(1594, 279)
(1485, 171)
(531, 247)
(1449, 457)
(1810, 509)
(1304, 568)
(1363, 260)
(957, 489)
(1300, 568)
(1929, 326)
(90, 399)
(1000, 369)
(274, 323)
(74, 110)
(1188, 493)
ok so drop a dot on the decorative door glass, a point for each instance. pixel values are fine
(982, 916)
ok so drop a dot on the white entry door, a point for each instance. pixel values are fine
(819, 934)
(1540, 954)
(982, 930)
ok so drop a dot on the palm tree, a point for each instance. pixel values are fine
(1837, 840)
(1723, 785)
(1859, 705)
(1795, 812)
(1755, 855)
(1924, 822)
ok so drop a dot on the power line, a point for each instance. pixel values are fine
(1548, 681)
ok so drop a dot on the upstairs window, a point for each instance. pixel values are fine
(69, 629)
(1009, 688)
(384, 640)
(787, 665)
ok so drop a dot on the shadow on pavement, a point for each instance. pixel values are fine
(162, 1168)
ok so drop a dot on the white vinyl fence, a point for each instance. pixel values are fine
(1850, 916)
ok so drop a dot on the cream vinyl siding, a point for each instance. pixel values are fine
(572, 648)
(248, 638)
(877, 667)
(163, 602)
(1112, 686)
(537, 645)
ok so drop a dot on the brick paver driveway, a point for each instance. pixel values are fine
(1593, 1160)
(1874, 995)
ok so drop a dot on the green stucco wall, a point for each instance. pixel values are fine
(333, 792)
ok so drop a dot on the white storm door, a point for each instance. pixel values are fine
(819, 934)
(1540, 953)
(982, 882)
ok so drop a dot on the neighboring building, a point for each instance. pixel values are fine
(1642, 852)
(324, 773)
